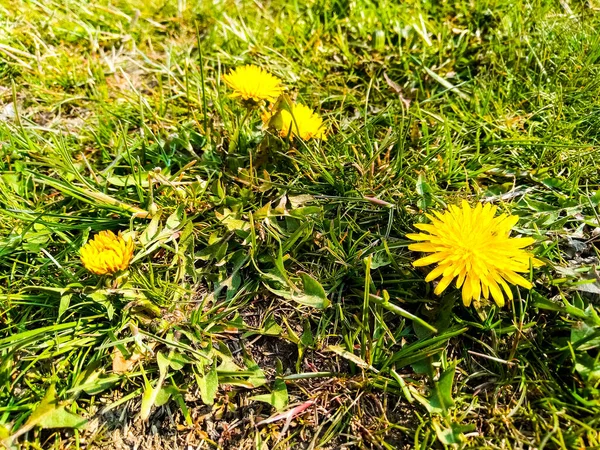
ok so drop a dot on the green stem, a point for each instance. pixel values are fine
(400, 311)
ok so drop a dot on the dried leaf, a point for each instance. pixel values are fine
(397, 89)
(121, 365)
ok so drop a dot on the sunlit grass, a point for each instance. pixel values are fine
(271, 277)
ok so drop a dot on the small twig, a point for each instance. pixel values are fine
(493, 358)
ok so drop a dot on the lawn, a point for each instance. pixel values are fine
(266, 296)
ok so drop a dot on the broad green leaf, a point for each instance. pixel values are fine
(278, 398)
(595, 199)
(380, 259)
(453, 434)
(35, 240)
(151, 230)
(269, 328)
(299, 200)
(422, 187)
(314, 290)
(163, 362)
(96, 384)
(305, 211)
(585, 336)
(227, 363)
(151, 393)
(291, 334)
(218, 189)
(215, 251)
(441, 396)
(313, 294)
(588, 368)
(101, 298)
(50, 413)
(175, 219)
(229, 219)
(307, 339)
(164, 395)
(178, 360)
(208, 385)
(541, 302)
(92, 380)
(263, 212)
(148, 397)
(423, 366)
(65, 301)
(257, 377)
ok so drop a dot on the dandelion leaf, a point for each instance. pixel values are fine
(50, 413)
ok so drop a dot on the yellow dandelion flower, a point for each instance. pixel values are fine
(475, 247)
(300, 121)
(107, 253)
(251, 83)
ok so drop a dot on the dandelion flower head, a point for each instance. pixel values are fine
(474, 246)
(251, 83)
(300, 121)
(107, 253)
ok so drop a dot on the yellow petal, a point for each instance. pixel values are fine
(419, 236)
(516, 279)
(431, 259)
(496, 293)
(522, 242)
(442, 285)
(435, 273)
(467, 291)
(425, 247)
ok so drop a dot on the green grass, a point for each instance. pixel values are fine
(121, 121)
